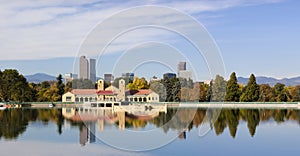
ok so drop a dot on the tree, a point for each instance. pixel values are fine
(296, 96)
(232, 89)
(52, 94)
(218, 89)
(60, 86)
(251, 91)
(160, 89)
(14, 87)
(281, 95)
(138, 83)
(266, 93)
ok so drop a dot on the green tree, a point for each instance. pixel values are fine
(281, 94)
(251, 91)
(218, 89)
(60, 86)
(14, 87)
(52, 94)
(232, 89)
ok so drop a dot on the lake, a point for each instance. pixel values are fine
(176, 132)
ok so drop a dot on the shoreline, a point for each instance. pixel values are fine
(206, 105)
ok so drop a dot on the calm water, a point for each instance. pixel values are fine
(77, 131)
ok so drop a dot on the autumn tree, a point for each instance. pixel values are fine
(266, 93)
(138, 83)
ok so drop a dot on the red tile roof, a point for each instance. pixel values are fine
(84, 91)
(105, 92)
(139, 92)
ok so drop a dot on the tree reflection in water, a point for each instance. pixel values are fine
(14, 122)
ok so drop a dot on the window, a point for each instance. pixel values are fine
(68, 98)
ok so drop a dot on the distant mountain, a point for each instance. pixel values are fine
(39, 77)
(272, 81)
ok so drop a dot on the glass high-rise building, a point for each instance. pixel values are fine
(84, 68)
(181, 66)
(92, 75)
(87, 69)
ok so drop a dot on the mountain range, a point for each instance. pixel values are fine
(39, 77)
(272, 81)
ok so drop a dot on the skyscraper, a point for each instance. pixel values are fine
(108, 78)
(182, 72)
(128, 75)
(84, 68)
(92, 75)
(185, 74)
(181, 66)
(87, 69)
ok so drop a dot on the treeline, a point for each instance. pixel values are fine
(15, 88)
(15, 121)
(182, 90)
(178, 119)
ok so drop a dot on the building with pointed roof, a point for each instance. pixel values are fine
(110, 93)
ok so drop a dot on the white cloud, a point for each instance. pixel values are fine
(46, 29)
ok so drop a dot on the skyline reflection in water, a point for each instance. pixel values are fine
(52, 126)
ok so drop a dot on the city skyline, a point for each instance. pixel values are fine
(257, 37)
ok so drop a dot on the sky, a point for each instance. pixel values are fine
(252, 36)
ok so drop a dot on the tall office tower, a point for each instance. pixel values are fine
(84, 68)
(185, 74)
(182, 72)
(181, 66)
(108, 78)
(128, 75)
(92, 69)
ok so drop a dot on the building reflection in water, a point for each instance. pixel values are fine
(102, 116)
(182, 135)
(87, 134)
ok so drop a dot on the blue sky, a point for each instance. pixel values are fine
(255, 36)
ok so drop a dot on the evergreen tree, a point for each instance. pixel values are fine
(232, 89)
(60, 86)
(251, 91)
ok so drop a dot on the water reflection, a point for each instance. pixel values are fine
(14, 122)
